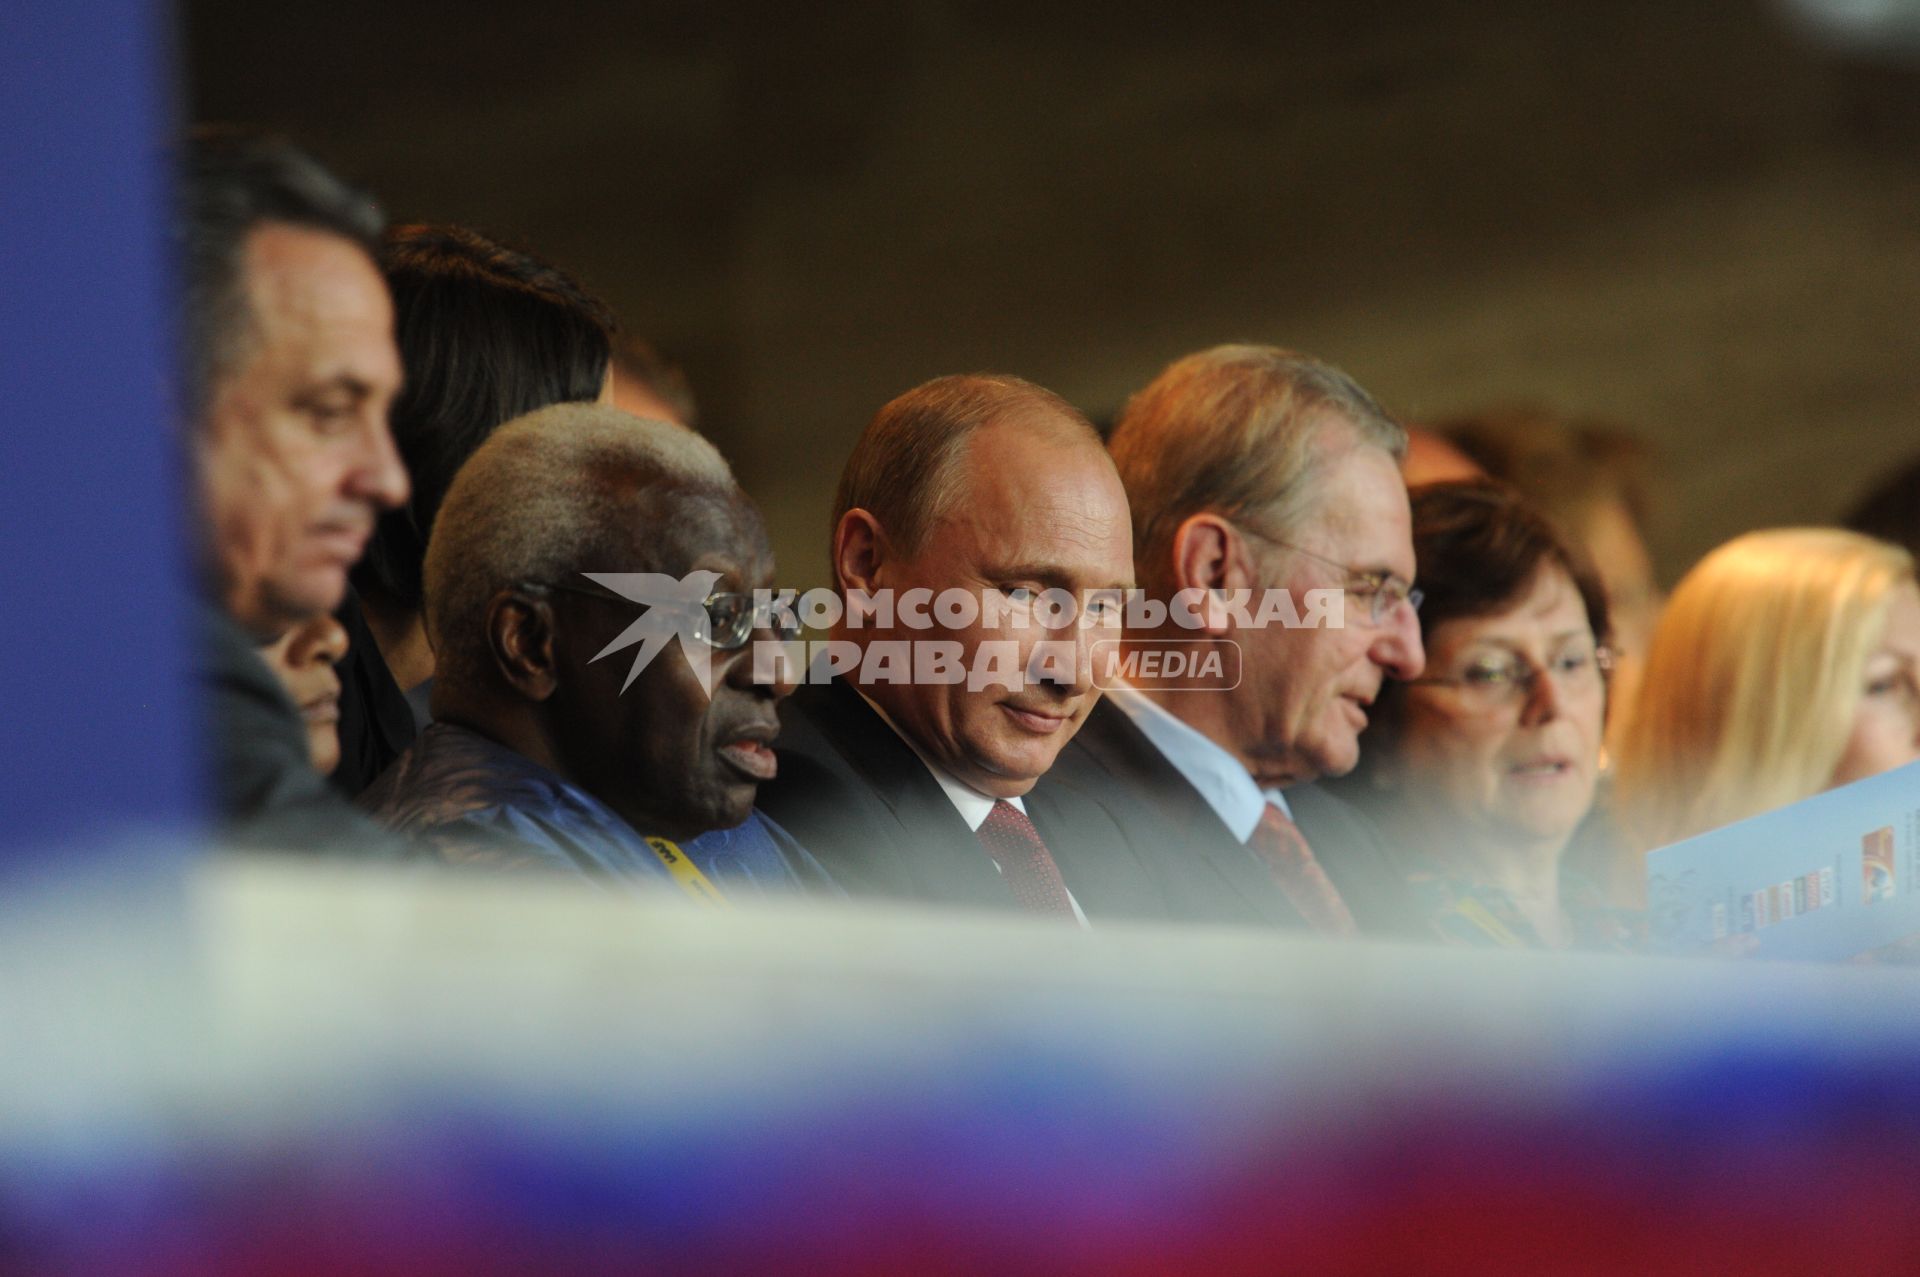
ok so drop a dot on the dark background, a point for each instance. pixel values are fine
(1687, 216)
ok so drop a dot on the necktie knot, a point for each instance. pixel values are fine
(1016, 846)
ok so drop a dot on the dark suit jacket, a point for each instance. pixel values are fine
(857, 796)
(266, 792)
(1207, 874)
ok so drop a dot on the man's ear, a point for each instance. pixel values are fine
(520, 636)
(1210, 557)
(859, 551)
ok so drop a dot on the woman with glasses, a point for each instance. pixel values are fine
(1486, 767)
(1787, 662)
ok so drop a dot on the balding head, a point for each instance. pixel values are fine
(905, 469)
(1232, 430)
(984, 486)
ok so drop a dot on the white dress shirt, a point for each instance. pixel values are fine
(1218, 776)
(974, 807)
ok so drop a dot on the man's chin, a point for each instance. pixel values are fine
(1332, 759)
(733, 807)
(1001, 786)
(1003, 772)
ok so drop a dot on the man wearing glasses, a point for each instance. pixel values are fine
(1271, 522)
(590, 599)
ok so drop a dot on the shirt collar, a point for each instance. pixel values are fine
(974, 807)
(1218, 776)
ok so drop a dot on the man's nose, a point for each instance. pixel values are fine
(380, 477)
(1398, 649)
(774, 675)
(1074, 678)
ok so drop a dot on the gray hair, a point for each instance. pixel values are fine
(536, 502)
(902, 469)
(1235, 429)
(232, 181)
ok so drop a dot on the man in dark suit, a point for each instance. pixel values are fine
(290, 369)
(984, 520)
(1272, 543)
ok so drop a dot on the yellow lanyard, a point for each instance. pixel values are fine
(1476, 913)
(687, 874)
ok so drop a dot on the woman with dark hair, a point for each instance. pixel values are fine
(303, 659)
(1489, 762)
(1593, 480)
(487, 333)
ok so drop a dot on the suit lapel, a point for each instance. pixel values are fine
(1349, 847)
(1124, 750)
(946, 857)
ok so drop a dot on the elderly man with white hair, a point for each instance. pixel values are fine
(1261, 475)
(584, 567)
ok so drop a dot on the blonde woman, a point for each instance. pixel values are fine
(1787, 662)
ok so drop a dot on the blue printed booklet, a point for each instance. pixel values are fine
(1828, 878)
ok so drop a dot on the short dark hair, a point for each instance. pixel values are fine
(1478, 545)
(232, 181)
(487, 333)
(901, 470)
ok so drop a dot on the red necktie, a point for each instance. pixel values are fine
(1302, 881)
(1015, 846)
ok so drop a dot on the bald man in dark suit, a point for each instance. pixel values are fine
(916, 789)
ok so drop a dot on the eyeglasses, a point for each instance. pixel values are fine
(1381, 592)
(725, 621)
(1500, 680)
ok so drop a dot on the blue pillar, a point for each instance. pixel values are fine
(95, 727)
